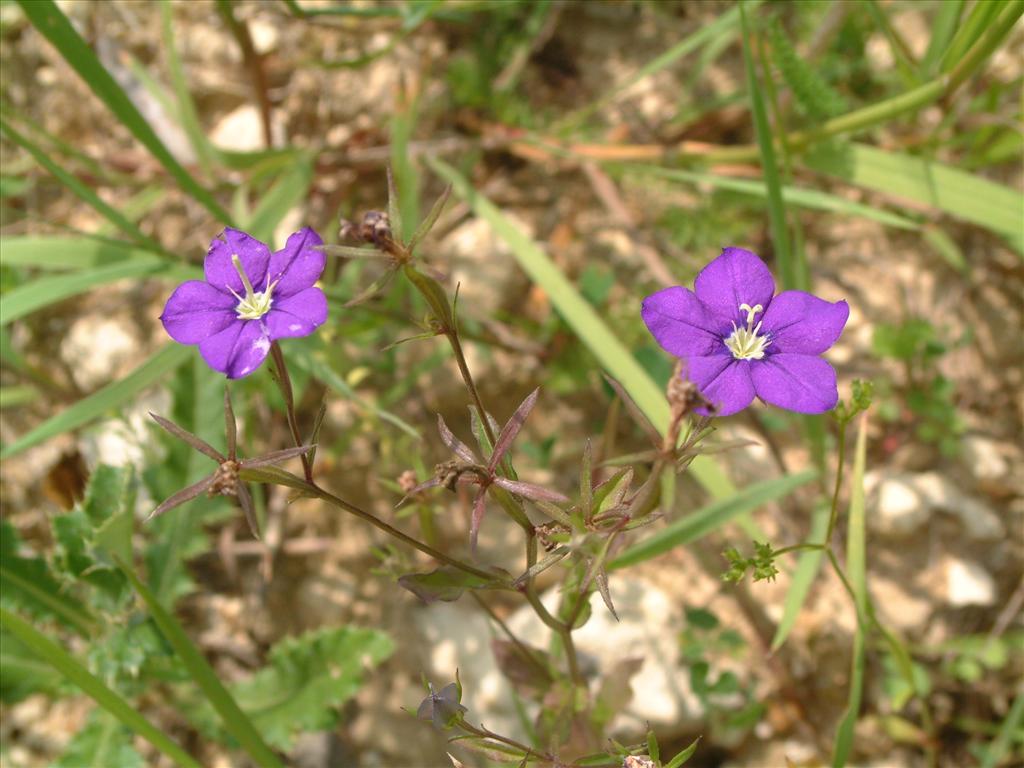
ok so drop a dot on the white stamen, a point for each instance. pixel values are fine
(746, 343)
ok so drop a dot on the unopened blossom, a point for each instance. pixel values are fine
(739, 340)
(250, 298)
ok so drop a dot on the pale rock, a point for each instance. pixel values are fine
(968, 583)
(942, 495)
(265, 35)
(457, 636)
(899, 607)
(901, 503)
(97, 348)
(128, 439)
(896, 508)
(241, 130)
(483, 265)
(984, 458)
(649, 628)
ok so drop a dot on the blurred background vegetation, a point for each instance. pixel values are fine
(597, 151)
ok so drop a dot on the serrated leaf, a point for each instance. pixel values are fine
(103, 741)
(28, 584)
(308, 678)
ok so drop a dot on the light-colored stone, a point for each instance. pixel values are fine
(241, 130)
(457, 636)
(265, 35)
(649, 628)
(968, 583)
(900, 608)
(984, 457)
(900, 504)
(97, 348)
(897, 508)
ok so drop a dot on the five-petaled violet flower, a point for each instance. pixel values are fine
(738, 340)
(249, 299)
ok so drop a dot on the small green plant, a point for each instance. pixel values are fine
(925, 400)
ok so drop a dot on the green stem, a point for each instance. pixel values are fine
(373, 520)
(834, 513)
(460, 359)
(284, 382)
(799, 547)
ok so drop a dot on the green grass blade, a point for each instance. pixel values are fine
(856, 569)
(979, 20)
(45, 291)
(235, 721)
(772, 178)
(288, 191)
(584, 320)
(48, 20)
(944, 26)
(802, 197)
(966, 196)
(705, 520)
(405, 173)
(93, 687)
(723, 25)
(186, 107)
(56, 253)
(104, 400)
(999, 746)
(81, 190)
(803, 577)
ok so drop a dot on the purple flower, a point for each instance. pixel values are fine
(250, 298)
(738, 341)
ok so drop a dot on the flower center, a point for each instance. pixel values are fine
(253, 305)
(745, 343)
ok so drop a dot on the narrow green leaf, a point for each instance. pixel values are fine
(186, 107)
(724, 25)
(104, 400)
(944, 26)
(711, 517)
(811, 199)
(45, 291)
(93, 687)
(1010, 727)
(23, 673)
(235, 721)
(856, 566)
(57, 253)
(681, 757)
(584, 320)
(803, 577)
(405, 173)
(48, 19)
(979, 20)
(79, 188)
(772, 178)
(962, 195)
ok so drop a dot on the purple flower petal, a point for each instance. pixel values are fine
(800, 383)
(723, 380)
(800, 323)
(298, 265)
(197, 310)
(681, 324)
(736, 277)
(238, 350)
(255, 257)
(297, 315)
